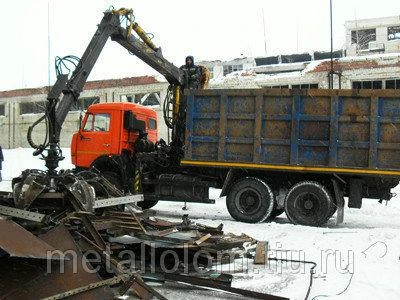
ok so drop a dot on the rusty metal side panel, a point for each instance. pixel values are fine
(317, 128)
(388, 132)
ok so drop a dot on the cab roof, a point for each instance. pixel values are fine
(123, 106)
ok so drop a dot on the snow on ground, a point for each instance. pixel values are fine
(19, 159)
(363, 252)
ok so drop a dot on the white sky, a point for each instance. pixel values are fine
(207, 29)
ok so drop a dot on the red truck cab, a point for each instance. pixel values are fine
(103, 132)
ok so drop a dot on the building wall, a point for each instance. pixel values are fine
(221, 68)
(382, 43)
(14, 125)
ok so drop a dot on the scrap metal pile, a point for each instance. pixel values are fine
(84, 253)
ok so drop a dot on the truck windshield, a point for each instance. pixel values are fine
(97, 122)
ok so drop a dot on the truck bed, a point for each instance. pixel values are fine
(342, 131)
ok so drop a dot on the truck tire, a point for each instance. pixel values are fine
(333, 210)
(250, 200)
(308, 203)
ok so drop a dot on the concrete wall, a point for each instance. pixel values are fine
(14, 125)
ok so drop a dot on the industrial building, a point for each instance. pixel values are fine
(363, 37)
(20, 108)
(377, 35)
(368, 72)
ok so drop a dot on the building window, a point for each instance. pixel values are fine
(97, 122)
(363, 37)
(278, 87)
(2, 110)
(377, 84)
(211, 70)
(309, 86)
(152, 124)
(147, 99)
(127, 98)
(368, 84)
(232, 68)
(31, 108)
(393, 33)
(84, 103)
(305, 86)
(392, 84)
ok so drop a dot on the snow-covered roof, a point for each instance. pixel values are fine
(258, 76)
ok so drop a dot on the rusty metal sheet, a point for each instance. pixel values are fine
(48, 284)
(18, 242)
(17, 271)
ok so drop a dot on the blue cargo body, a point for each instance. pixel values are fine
(340, 131)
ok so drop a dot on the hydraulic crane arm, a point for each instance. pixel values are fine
(110, 26)
(75, 84)
(153, 58)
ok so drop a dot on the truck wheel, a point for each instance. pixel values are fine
(147, 204)
(333, 210)
(250, 200)
(308, 203)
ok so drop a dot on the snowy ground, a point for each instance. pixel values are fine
(364, 251)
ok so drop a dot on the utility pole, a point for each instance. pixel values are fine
(330, 76)
(265, 35)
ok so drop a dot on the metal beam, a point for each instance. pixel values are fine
(22, 214)
(118, 201)
(153, 58)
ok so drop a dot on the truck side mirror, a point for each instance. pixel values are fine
(133, 124)
(80, 120)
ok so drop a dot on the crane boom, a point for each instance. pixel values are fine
(110, 26)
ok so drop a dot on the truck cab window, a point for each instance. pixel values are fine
(97, 122)
(152, 124)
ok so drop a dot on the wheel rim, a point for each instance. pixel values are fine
(308, 205)
(248, 201)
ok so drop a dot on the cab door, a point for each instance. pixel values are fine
(95, 138)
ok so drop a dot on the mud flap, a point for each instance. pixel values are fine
(339, 202)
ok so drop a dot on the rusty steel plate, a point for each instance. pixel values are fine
(18, 242)
(74, 275)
